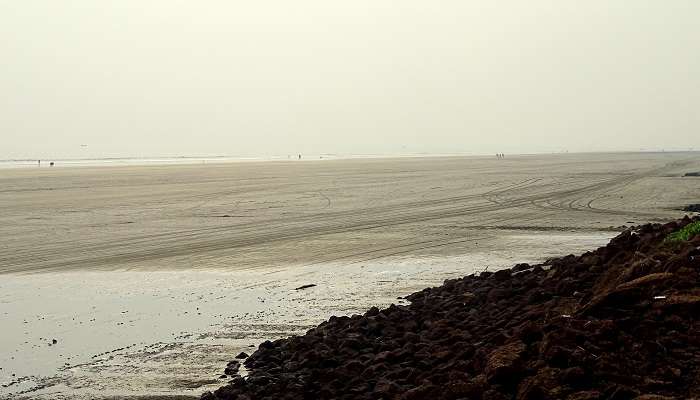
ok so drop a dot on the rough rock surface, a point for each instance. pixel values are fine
(692, 208)
(618, 323)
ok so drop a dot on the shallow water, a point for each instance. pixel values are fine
(126, 333)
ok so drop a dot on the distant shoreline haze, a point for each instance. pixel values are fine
(197, 159)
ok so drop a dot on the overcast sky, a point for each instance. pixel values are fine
(173, 77)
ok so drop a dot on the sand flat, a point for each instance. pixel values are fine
(151, 277)
(251, 215)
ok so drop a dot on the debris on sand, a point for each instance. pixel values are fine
(631, 332)
(305, 287)
(692, 174)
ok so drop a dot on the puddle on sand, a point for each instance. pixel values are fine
(172, 332)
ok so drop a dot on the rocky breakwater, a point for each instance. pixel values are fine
(621, 322)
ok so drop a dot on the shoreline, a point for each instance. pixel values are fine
(238, 309)
(576, 327)
(116, 162)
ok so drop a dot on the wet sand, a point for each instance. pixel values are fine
(134, 268)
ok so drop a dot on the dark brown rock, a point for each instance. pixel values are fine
(503, 362)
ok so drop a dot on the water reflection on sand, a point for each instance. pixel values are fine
(124, 333)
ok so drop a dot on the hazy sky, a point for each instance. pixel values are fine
(173, 77)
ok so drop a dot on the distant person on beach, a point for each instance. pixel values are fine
(40, 163)
(300, 156)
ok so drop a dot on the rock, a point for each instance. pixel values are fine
(374, 311)
(266, 345)
(539, 386)
(646, 280)
(692, 208)
(238, 381)
(242, 355)
(624, 294)
(528, 332)
(232, 368)
(208, 396)
(585, 395)
(494, 395)
(386, 387)
(502, 362)
(502, 275)
(419, 393)
(682, 300)
(521, 267)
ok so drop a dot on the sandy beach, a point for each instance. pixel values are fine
(251, 215)
(134, 268)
